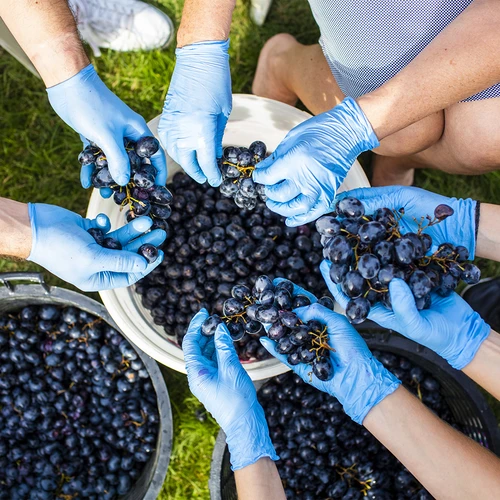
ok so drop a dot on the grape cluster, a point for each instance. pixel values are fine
(368, 251)
(324, 455)
(247, 311)
(216, 245)
(237, 165)
(141, 195)
(78, 411)
(148, 251)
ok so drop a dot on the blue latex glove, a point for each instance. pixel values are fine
(218, 380)
(449, 327)
(62, 245)
(303, 174)
(359, 381)
(197, 108)
(98, 115)
(459, 229)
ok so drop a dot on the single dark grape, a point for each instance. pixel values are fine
(420, 284)
(371, 232)
(149, 252)
(146, 147)
(404, 251)
(351, 207)
(328, 226)
(301, 301)
(98, 234)
(368, 266)
(326, 302)
(338, 250)
(277, 331)
(233, 306)
(471, 274)
(323, 368)
(112, 244)
(357, 310)
(354, 284)
(443, 211)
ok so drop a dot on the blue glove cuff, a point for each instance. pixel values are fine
(34, 238)
(82, 75)
(248, 439)
(213, 47)
(477, 332)
(465, 212)
(382, 383)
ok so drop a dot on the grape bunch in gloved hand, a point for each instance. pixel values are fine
(359, 381)
(64, 243)
(305, 171)
(218, 380)
(368, 250)
(92, 110)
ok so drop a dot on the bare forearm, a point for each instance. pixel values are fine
(46, 31)
(488, 233)
(15, 229)
(449, 464)
(259, 480)
(204, 20)
(484, 369)
(461, 61)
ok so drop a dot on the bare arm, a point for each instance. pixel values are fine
(449, 464)
(46, 31)
(15, 229)
(204, 20)
(461, 61)
(259, 480)
(488, 234)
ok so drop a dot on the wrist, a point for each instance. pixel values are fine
(59, 58)
(378, 383)
(212, 47)
(248, 438)
(488, 240)
(15, 228)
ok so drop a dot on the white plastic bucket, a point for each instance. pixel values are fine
(253, 118)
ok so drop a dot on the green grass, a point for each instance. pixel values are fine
(38, 163)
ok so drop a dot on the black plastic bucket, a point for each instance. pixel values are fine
(23, 289)
(467, 404)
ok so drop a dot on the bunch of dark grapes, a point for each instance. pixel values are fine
(368, 251)
(237, 166)
(141, 195)
(325, 455)
(216, 245)
(79, 414)
(247, 311)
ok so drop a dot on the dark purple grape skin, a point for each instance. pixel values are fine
(354, 284)
(351, 207)
(277, 331)
(462, 253)
(371, 232)
(404, 251)
(326, 302)
(417, 244)
(258, 149)
(146, 147)
(87, 156)
(209, 326)
(143, 179)
(357, 310)
(471, 274)
(160, 195)
(328, 226)
(112, 244)
(149, 252)
(97, 234)
(338, 272)
(102, 178)
(306, 355)
(368, 266)
(420, 284)
(384, 250)
(267, 314)
(323, 369)
(285, 345)
(443, 211)
(161, 211)
(233, 306)
(236, 330)
(339, 251)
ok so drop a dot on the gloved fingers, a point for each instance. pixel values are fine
(191, 347)
(221, 127)
(297, 290)
(283, 192)
(187, 160)
(299, 205)
(224, 347)
(118, 161)
(86, 175)
(404, 307)
(106, 192)
(207, 160)
(155, 237)
(120, 261)
(269, 172)
(316, 311)
(335, 290)
(101, 221)
(315, 213)
(207, 345)
(131, 230)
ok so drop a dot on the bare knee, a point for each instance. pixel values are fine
(414, 138)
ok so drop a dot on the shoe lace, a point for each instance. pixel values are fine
(95, 21)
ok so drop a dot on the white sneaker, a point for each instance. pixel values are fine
(121, 25)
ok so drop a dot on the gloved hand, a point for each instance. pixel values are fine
(98, 115)
(303, 174)
(197, 108)
(458, 229)
(449, 327)
(218, 380)
(359, 381)
(62, 245)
